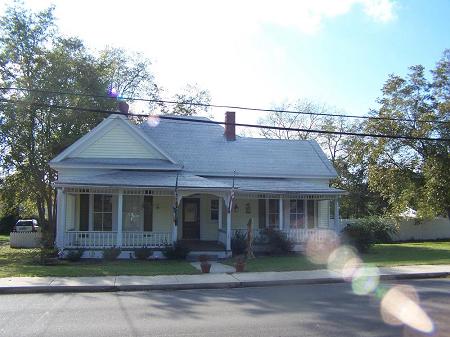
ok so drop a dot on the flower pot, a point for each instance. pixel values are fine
(206, 267)
(240, 266)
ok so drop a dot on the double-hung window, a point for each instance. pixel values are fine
(214, 211)
(297, 213)
(102, 212)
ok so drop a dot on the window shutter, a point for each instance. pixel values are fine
(148, 213)
(84, 212)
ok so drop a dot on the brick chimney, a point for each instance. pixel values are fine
(230, 127)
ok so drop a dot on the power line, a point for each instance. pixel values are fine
(257, 126)
(236, 107)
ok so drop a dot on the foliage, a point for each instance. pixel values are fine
(239, 243)
(143, 253)
(363, 233)
(111, 254)
(278, 241)
(7, 223)
(176, 252)
(74, 255)
(413, 173)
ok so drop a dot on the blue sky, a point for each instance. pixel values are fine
(259, 53)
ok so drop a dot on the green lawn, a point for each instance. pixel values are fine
(22, 262)
(380, 255)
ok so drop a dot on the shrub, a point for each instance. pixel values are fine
(239, 243)
(143, 253)
(74, 255)
(363, 233)
(359, 236)
(278, 241)
(176, 252)
(110, 254)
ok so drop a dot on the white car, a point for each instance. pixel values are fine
(26, 225)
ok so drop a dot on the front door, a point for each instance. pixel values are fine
(191, 219)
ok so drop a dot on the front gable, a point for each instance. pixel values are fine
(115, 137)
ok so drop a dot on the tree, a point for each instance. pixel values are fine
(413, 173)
(345, 152)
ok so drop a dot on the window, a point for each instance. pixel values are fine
(297, 213)
(102, 212)
(274, 212)
(214, 210)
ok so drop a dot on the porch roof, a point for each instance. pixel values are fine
(141, 179)
(274, 185)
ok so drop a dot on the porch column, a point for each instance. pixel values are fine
(220, 213)
(229, 213)
(60, 218)
(336, 214)
(280, 214)
(119, 218)
(175, 217)
(228, 231)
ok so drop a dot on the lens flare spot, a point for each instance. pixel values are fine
(113, 92)
(339, 257)
(153, 120)
(365, 280)
(400, 305)
(320, 245)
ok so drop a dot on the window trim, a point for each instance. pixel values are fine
(102, 212)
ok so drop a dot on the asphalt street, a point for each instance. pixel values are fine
(306, 310)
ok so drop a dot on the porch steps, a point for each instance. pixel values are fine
(212, 255)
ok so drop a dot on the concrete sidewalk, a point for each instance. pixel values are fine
(202, 281)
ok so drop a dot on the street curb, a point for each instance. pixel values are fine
(206, 285)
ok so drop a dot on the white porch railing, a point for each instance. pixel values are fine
(79, 239)
(296, 235)
(84, 239)
(146, 239)
(300, 235)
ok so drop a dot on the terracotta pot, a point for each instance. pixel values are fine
(239, 267)
(206, 267)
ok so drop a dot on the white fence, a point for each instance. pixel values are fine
(413, 229)
(25, 239)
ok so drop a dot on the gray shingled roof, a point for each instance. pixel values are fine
(202, 149)
(143, 179)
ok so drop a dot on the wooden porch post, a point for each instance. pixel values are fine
(336, 214)
(119, 219)
(280, 215)
(229, 213)
(60, 218)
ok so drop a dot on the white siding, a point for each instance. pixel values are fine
(241, 216)
(162, 214)
(118, 142)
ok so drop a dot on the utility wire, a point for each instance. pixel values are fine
(237, 107)
(210, 122)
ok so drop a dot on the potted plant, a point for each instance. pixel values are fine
(240, 264)
(204, 264)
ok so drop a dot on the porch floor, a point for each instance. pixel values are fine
(198, 245)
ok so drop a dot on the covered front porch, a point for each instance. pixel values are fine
(102, 217)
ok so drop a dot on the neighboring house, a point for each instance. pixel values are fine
(119, 184)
